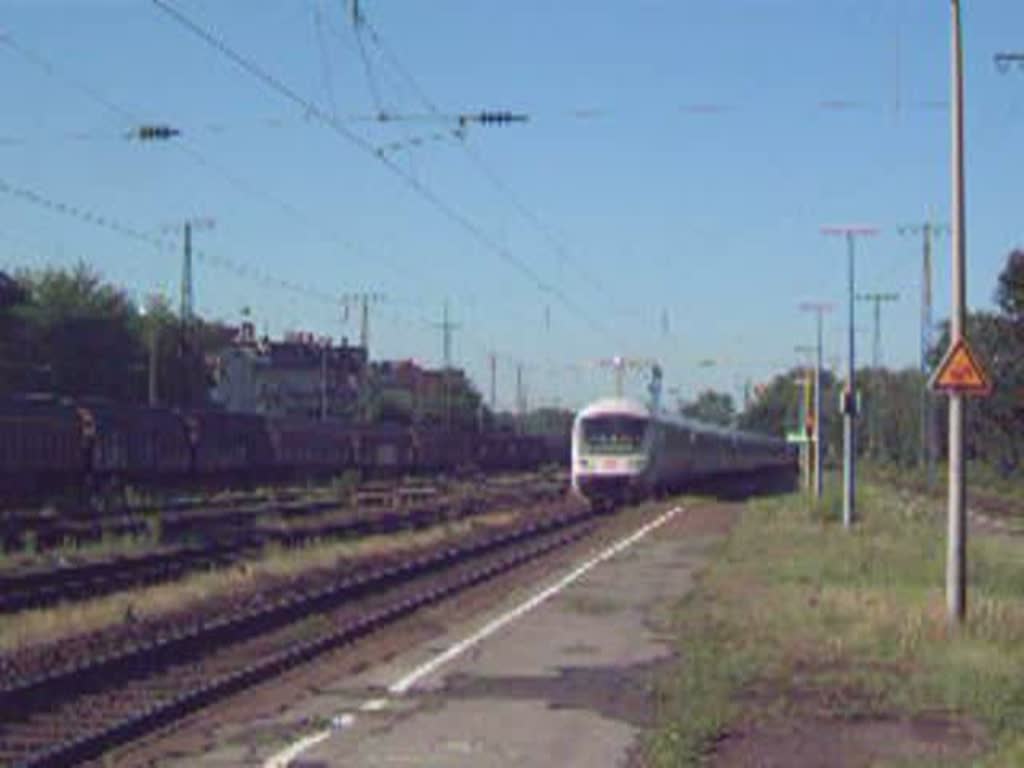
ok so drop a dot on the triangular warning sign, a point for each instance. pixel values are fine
(961, 372)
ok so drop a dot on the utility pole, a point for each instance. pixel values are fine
(805, 417)
(153, 333)
(819, 309)
(187, 307)
(928, 230)
(493, 360)
(185, 311)
(187, 291)
(877, 298)
(446, 327)
(363, 300)
(325, 345)
(154, 362)
(849, 403)
(619, 366)
(956, 557)
(520, 395)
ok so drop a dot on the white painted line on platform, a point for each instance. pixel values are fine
(285, 756)
(402, 685)
(407, 682)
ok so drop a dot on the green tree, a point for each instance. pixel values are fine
(548, 421)
(775, 410)
(16, 372)
(82, 331)
(994, 429)
(1010, 287)
(711, 407)
(184, 371)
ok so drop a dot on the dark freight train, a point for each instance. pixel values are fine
(51, 444)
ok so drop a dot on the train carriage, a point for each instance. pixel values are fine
(50, 444)
(135, 443)
(621, 451)
(302, 446)
(41, 445)
(230, 444)
(384, 450)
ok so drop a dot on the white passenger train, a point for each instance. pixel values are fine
(622, 451)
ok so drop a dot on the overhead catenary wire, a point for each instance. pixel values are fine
(493, 178)
(139, 235)
(325, 62)
(420, 188)
(134, 119)
(166, 244)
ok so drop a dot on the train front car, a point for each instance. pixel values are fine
(611, 447)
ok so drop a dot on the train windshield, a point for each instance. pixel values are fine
(614, 434)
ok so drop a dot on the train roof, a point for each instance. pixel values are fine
(615, 405)
(625, 407)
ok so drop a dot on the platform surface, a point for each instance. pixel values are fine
(566, 683)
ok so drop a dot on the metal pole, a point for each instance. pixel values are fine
(154, 357)
(956, 561)
(494, 383)
(850, 395)
(808, 458)
(928, 231)
(520, 399)
(323, 382)
(875, 395)
(186, 316)
(364, 325)
(849, 439)
(446, 335)
(927, 452)
(817, 413)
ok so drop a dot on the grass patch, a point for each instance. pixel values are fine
(798, 615)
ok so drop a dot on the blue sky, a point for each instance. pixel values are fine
(679, 161)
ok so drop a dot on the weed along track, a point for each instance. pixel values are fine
(75, 699)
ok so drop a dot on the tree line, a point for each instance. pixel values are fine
(892, 418)
(67, 332)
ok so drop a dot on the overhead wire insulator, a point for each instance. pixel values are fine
(154, 132)
(487, 117)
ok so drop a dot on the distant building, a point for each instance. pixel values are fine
(295, 377)
(421, 391)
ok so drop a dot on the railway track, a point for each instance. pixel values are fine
(81, 698)
(242, 534)
(181, 518)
